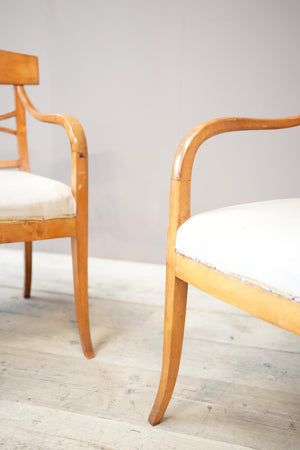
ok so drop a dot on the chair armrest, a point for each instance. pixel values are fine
(184, 160)
(79, 177)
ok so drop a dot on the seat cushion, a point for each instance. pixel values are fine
(30, 197)
(256, 242)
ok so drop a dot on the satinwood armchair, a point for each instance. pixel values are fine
(246, 255)
(34, 207)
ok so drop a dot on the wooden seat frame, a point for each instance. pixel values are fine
(18, 70)
(180, 270)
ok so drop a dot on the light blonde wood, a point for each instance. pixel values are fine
(7, 115)
(8, 130)
(184, 159)
(272, 308)
(36, 230)
(17, 69)
(80, 270)
(175, 309)
(21, 133)
(9, 163)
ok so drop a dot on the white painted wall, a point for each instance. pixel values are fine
(138, 75)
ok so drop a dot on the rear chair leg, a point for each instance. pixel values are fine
(28, 269)
(175, 309)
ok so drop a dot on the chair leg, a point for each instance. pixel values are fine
(80, 275)
(28, 269)
(175, 308)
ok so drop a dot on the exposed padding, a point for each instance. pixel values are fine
(258, 243)
(24, 196)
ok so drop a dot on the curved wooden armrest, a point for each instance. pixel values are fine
(76, 137)
(187, 149)
(184, 159)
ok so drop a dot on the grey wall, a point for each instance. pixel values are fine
(138, 75)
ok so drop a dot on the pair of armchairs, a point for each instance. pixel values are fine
(247, 255)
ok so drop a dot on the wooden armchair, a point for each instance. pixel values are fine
(34, 207)
(246, 255)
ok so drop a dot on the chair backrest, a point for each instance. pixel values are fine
(17, 69)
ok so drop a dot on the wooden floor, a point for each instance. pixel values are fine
(238, 386)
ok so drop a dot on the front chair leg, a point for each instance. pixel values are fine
(28, 268)
(79, 255)
(175, 308)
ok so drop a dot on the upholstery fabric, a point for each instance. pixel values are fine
(256, 242)
(24, 196)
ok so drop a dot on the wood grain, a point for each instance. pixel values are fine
(17, 68)
(273, 308)
(28, 268)
(34, 230)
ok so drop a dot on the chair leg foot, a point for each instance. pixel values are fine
(175, 309)
(80, 275)
(28, 269)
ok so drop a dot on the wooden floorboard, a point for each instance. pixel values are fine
(238, 386)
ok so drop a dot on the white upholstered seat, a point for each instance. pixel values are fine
(257, 242)
(30, 197)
